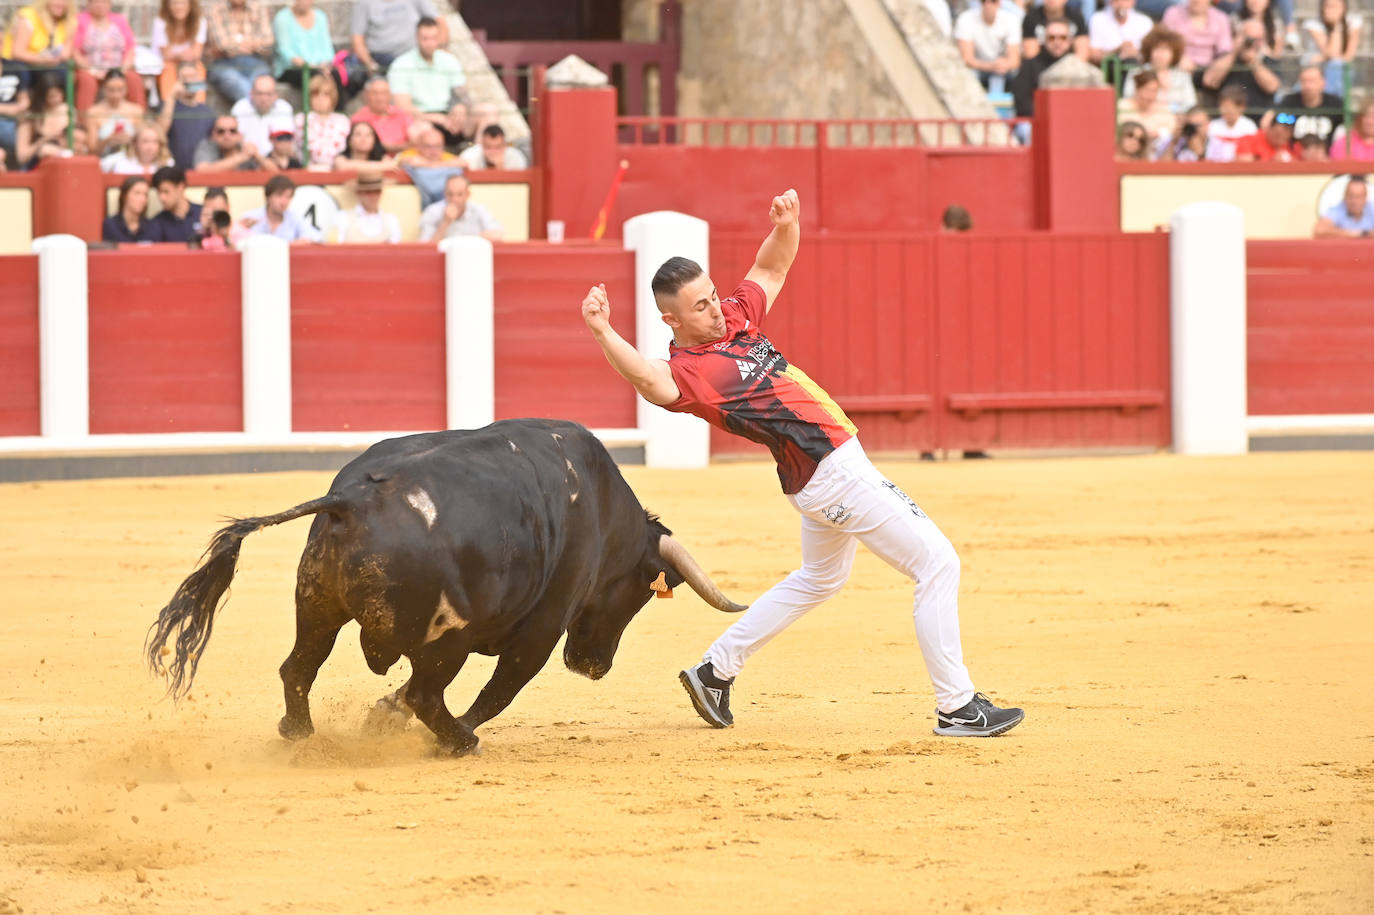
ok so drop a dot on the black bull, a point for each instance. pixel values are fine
(496, 540)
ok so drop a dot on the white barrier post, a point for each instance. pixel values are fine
(469, 334)
(266, 272)
(672, 439)
(64, 392)
(1208, 324)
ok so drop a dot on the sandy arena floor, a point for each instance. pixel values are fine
(1191, 639)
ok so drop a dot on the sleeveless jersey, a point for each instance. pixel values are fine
(743, 385)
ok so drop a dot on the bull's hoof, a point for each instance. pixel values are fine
(388, 716)
(469, 745)
(292, 729)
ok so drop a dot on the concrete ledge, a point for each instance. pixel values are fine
(1315, 441)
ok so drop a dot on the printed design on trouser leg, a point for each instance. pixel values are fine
(897, 491)
(838, 513)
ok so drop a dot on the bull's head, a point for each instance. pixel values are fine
(594, 635)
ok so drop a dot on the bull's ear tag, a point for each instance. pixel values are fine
(660, 584)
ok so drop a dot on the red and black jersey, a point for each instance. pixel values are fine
(742, 384)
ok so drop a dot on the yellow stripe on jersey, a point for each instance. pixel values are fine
(823, 399)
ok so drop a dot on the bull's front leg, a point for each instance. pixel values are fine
(517, 666)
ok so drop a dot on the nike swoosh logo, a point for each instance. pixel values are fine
(980, 721)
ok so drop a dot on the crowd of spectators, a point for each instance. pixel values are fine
(203, 93)
(1175, 62)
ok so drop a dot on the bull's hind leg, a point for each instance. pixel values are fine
(318, 622)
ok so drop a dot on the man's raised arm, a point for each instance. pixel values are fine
(651, 377)
(779, 249)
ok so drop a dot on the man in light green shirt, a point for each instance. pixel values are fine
(425, 78)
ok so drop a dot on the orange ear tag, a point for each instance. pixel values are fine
(660, 584)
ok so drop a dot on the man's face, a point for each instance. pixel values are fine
(1122, 7)
(187, 75)
(378, 96)
(278, 202)
(990, 10)
(170, 194)
(1311, 82)
(427, 40)
(226, 134)
(1280, 135)
(1200, 121)
(1356, 195)
(1057, 39)
(456, 194)
(494, 148)
(284, 146)
(694, 313)
(1230, 110)
(263, 94)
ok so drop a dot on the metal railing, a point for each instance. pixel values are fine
(805, 133)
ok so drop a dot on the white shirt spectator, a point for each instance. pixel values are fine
(1106, 34)
(474, 159)
(1228, 134)
(358, 226)
(475, 220)
(257, 128)
(990, 40)
(291, 228)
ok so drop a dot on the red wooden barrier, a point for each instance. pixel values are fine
(19, 397)
(367, 348)
(546, 362)
(1311, 327)
(966, 341)
(166, 351)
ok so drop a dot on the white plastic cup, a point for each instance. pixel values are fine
(555, 231)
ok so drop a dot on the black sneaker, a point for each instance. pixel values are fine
(979, 718)
(710, 694)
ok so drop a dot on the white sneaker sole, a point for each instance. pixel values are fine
(960, 730)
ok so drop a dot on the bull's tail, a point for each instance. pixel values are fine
(189, 617)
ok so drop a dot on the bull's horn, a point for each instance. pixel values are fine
(676, 555)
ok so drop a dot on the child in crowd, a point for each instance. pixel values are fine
(1233, 124)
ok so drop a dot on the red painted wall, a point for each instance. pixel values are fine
(546, 361)
(1310, 327)
(19, 394)
(367, 348)
(971, 341)
(166, 352)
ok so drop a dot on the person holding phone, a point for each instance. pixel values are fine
(186, 119)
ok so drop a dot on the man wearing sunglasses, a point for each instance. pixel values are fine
(225, 150)
(1272, 144)
(1058, 38)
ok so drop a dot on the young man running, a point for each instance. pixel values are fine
(722, 368)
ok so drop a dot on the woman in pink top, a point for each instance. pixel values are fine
(103, 42)
(1361, 139)
(1205, 29)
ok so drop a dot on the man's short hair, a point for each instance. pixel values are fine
(1233, 94)
(493, 130)
(168, 174)
(212, 192)
(1311, 139)
(1357, 179)
(427, 22)
(675, 273)
(956, 218)
(278, 183)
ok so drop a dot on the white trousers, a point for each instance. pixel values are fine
(848, 502)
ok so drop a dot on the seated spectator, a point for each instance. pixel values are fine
(112, 120)
(186, 121)
(178, 37)
(989, 40)
(225, 150)
(1232, 124)
(130, 223)
(1352, 217)
(240, 39)
(363, 151)
(1334, 39)
(1162, 50)
(14, 104)
(40, 39)
(1206, 32)
(1318, 112)
(46, 125)
(1057, 37)
(1117, 31)
(1132, 142)
(303, 41)
(425, 78)
(389, 121)
(214, 214)
(366, 224)
(103, 44)
(492, 151)
(145, 153)
(427, 163)
(1246, 66)
(262, 113)
(383, 30)
(1272, 144)
(1274, 33)
(322, 128)
(1195, 142)
(454, 128)
(456, 215)
(1146, 108)
(1357, 144)
(1312, 148)
(1040, 15)
(275, 218)
(179, 219)
(282, 153)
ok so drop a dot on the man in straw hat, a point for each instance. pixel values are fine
(365, 223)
